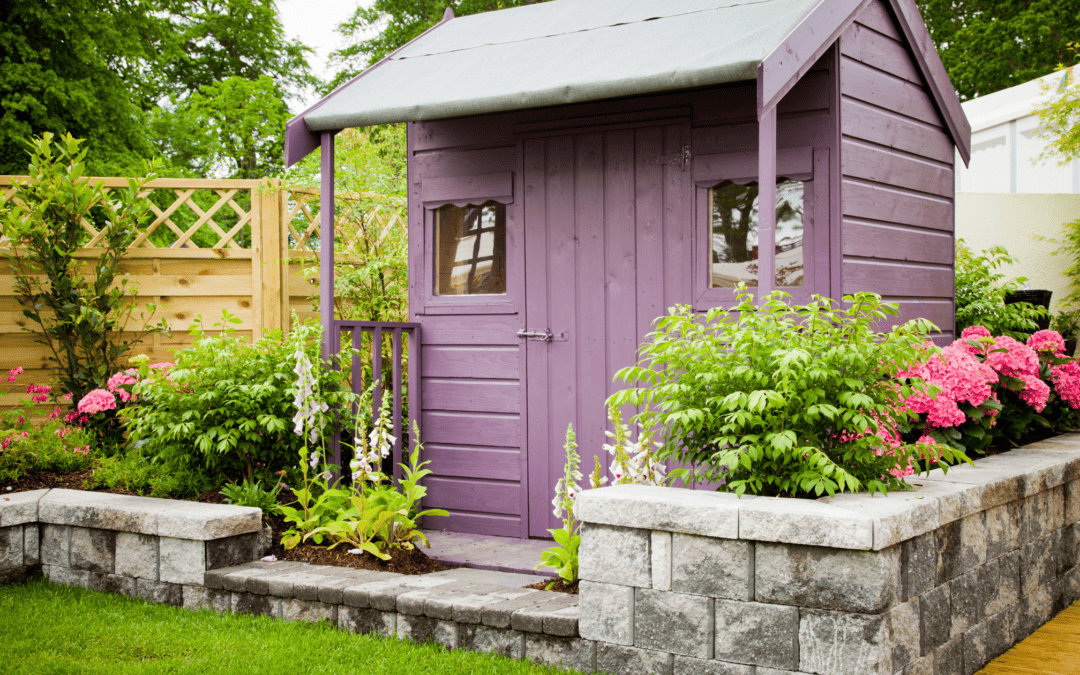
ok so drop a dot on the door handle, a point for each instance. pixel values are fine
(535, 335)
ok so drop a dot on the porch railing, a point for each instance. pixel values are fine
(404, 374)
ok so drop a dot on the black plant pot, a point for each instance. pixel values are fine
(1070, 347)
(1037, 297)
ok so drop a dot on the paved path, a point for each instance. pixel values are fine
(1054, 649)
(503, 554)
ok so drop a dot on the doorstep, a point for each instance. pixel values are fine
(487, 552)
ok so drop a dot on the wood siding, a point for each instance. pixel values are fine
(897, 168)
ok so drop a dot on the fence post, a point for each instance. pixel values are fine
(270, 255)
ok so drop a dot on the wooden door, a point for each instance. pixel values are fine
(607, 250)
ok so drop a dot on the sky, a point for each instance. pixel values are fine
(313, 22)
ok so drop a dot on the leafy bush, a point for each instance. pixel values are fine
(80, 318)
(981, 291)
(252, 493)
(130, 470)
(776, 399)
(227, 406)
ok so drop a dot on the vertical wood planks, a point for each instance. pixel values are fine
(396, 352)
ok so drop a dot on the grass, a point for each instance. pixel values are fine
(47, 628)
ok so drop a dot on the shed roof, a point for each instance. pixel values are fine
(572, 51)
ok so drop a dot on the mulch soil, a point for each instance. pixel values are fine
(401, 562)
(559, 586)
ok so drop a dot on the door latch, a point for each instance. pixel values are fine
(546, 336)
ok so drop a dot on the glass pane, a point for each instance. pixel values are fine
(470, 249)
(735, 234)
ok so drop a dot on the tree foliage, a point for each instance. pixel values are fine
(398, 21)
(988, 45)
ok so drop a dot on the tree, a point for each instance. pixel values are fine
(76, 66)
(988, 45)
(401, 21)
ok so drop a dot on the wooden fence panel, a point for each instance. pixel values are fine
(210, 245)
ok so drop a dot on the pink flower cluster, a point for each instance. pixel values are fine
(961, 378)
(39, 393)
(119, 380)
(14, 373)
(99, 400)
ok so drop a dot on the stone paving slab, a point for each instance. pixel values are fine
(20, 508)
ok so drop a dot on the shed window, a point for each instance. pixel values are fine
(470, 249)
(734, 230)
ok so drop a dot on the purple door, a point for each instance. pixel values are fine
(607, 250)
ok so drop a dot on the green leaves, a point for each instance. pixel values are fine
(777, 399)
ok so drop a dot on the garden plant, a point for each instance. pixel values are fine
(980, 294)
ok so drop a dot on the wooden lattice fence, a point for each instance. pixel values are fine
(211, 245)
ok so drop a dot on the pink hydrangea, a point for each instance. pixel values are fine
(1047, 341)
(1036, 393)
(117, 382)
(1012, 358)
(972, 332)
(99, 400)
(960, 377)
(1066, 379)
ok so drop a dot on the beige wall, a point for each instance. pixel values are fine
(1014, 221)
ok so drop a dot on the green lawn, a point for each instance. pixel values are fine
(46, 628)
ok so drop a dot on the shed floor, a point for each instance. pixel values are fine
(1054, 649)
(479, 551)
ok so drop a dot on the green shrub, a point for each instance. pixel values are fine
(980, 294)
(227, 407)
(252, 493)
(776, 399)
(49, 445)
(129, 470)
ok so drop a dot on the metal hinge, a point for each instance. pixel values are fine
(680, 159)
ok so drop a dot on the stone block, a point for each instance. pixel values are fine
(1037, 512)
(935, 619)
(425, 629)
(903, 630)
(66, 576)
(472, 607)
(500, 614)
(20, 508)
(235, 580)
(264, 541)
(754, 633)
(364, 620)
(137, 555)
(566, 653)
(193, 520)
(1072, 502)
(1070, 548)
(31, 544)
(949, 658)
(198, 597)
(976, 649)
(330, 591)
(160, 592)
(999, 582)
(954, 500)
(924, 666)
(1056, 507)
(918, 565)
(607, 612)
(711, 514)
(961, 547)
(506, 642)
(293, 609)
(895, 517)
(1070, 586)
(822, 578)
(531, 619)
(93, 550)
(181, 561)
(11, 547)
(615, 555)
(114, 583)
(995, 482)
(563, 622)
(103, 511)
(1038, 562)
(256, 605)
(673, 622)
(56, 545)
(719, 568)
(661, 560)
(1003, 529)
(620, 660)
(295, 583)
(841, 643)
(684, 665)
(967, 601)
(1034, 610)
(799, 521)
(1001, 631)
(230, 551)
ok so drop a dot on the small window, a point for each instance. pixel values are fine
(470, 249)
(734, 230)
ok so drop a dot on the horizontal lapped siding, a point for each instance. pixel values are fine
(897, 167)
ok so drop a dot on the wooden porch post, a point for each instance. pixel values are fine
(766, 201)
(326, 242)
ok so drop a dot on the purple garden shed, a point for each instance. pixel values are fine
(576, 167)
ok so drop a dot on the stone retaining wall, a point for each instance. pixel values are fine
(937, 581)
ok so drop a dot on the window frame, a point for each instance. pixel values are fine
(799, 163)
(462, 191)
